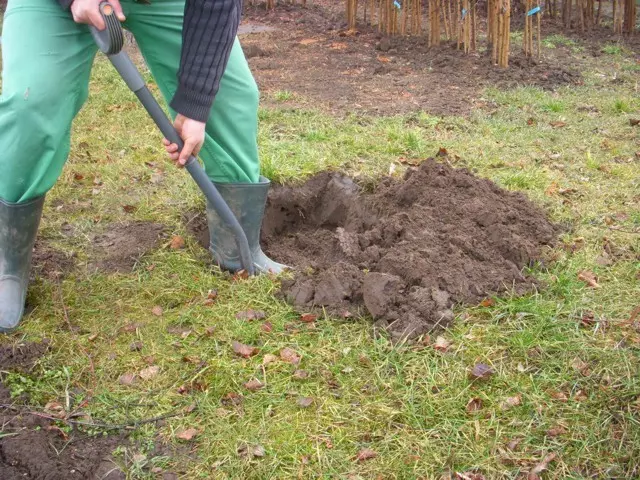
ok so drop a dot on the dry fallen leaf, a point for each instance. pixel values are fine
(308, 318)
(258, 451)
(510, 402)
(157, 311)
(243, 350)
(474, 405)
(127, 378)
(186, 434)
(481, 371)
(488, 302)
(251, 315)
(305, 402)
(128, 208)
(556, 431)
(366, 454)
(513, 444)
(212, 294)
(177, 243)
(559, 396)
(469, 476)
(149, 372)
(253, 385)
(289, 355)
(589, 278)
(268, 358)
(55, 409)
(267, 327)
(383, 59)
(308, 41)
(543, 465)
(581, 366)
(442, 344)
(300, 374)
(558, 124)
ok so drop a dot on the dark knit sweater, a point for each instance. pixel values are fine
(208, 33)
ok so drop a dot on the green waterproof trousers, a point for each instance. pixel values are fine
(46, 60)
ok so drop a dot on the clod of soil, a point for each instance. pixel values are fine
(121, 246)
(31, 447)
(409, 251)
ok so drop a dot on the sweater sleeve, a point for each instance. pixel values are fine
(208, 33)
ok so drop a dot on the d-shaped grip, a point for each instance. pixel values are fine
(110, 40)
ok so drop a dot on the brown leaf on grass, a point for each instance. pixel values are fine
(266, 327)
(542, 466)
(157, 311)
(300, 374)
(78, 177)
(481, 371)
(589, 278)
(442, 152)
(469, 476)
(209, 331)
(556, 431)
(634, 314)
(442, 344)
(253, 385)
(92, 337)
(289, 355)
(581, 366)
(251, 451)
(308, 318)
(128, 208)
(513, 444)
(551, 189)
(587, 319)
(243, 350)
(127, 378)
(135, 346)
(55, 409)
(176, 243)
(305, 402)
(186, 434)
(268, 358)
(561, 396)
(383, 59)
(531, 121)
(308, 41)
(212, 294)
(208, 302)
(511, 402)
(558, 124)
(365, 454)
(149, 372)
(474, 405)
(580, 396)
(240, 275)
(232, 399)
(251, 315)
(487, 302)
(634, 122)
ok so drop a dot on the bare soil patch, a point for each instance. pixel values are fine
(309, 54)
(121, 246)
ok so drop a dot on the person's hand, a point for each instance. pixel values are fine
(87, 11)
(192, 134)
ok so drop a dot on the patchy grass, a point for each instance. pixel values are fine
(565, 358)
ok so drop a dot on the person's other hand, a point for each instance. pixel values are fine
(192, 134)
(87, 11)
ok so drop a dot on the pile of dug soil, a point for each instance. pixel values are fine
(409, 251)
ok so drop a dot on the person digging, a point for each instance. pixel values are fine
(192, 50)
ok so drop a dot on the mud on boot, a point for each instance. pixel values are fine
(247, 201)
(19, 224)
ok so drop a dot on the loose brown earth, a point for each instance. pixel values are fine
(409, 251)
(309, 54)
(121, 246)
(33, 447)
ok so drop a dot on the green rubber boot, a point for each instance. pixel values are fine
(18, 228)
(247, 201)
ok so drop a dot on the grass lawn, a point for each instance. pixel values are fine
(566, 359)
